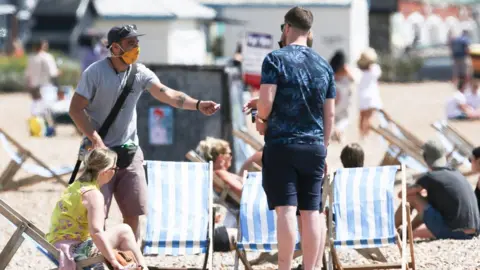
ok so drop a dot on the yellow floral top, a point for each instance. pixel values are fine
(69, 219)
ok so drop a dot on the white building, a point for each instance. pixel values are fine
(338, 24)
(175, 30)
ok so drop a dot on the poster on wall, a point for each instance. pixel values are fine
(160, 125)
(255, 47)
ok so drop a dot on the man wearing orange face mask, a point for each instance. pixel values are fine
(97, 92)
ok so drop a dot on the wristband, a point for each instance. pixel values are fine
(198, 104)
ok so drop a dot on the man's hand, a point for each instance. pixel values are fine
(116, 265)
(250, 105)
(97, 142)
(261, 127)
(208, 107)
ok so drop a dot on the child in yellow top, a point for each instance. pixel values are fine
(79, 217)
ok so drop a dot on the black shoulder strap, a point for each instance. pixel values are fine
(127, 88)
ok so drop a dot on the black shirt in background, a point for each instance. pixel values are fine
(450, 193)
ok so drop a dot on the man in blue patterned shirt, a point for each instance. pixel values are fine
(296, 113)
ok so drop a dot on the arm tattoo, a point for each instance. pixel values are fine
(181, 100)
(163, 89)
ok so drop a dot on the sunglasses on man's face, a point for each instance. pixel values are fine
(128, 28)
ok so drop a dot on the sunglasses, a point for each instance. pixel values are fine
(128, 28)
(115, 169)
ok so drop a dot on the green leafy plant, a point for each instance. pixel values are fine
(12, 71)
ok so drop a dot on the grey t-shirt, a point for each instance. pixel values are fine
(450, 193)
(101, 85)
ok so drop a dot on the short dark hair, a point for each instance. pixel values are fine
(476, 152)
(300, 18)
(338, 60)
(352, 156)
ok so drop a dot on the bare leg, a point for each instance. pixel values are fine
(360, 123)
(285, 235)
(367, 116)
(423, 232)
(323, 239)
(310, 237)
(121, 237)
(417, 202)
(133, 223)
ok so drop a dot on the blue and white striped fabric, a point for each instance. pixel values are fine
(178, 205)
(257, 223)
(363, 207)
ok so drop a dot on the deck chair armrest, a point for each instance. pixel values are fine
(90, 261)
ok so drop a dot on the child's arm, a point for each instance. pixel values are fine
(376, 70)
(94, 202)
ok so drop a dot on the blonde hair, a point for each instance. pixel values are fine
(211, 148)
(95, 162)
(367, 58)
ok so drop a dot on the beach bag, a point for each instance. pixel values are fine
(125, 258)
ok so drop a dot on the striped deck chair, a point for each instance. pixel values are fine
(222, 197)
(398, 152)
(460, 144)
(362, 200)
(27, 230)
(402, 146)
(257, 226)
(18, 156)
(179, 209)
(386, 121)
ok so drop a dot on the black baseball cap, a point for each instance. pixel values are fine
(118, 33)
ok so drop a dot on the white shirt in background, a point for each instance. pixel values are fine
(368, 91)
(473, 99)
(453, 105)
(41, 68)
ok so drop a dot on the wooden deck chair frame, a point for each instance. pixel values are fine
(411, 139)
(337, 265)
(404, 148)
(6, 178)
(249, 139)
(242, 255)
(448, 131)
(193, 156)
(210, 230)
(25, 226)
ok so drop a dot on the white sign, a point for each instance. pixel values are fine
(255, 47)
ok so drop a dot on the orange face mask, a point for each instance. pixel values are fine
(129, 57)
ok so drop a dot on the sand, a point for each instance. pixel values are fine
(415, 106)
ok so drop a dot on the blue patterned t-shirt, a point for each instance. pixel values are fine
(304, 81)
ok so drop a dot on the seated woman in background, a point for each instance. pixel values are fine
(219, 152)
(78, 220)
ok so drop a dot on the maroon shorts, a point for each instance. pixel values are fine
(129, 186)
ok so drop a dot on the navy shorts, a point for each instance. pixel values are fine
(437, 226)
(293, 175)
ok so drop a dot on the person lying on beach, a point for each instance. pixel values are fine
(444, 200)
(457, 107)
(78, 219)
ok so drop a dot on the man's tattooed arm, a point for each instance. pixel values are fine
(181, 100)
(173, 97)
